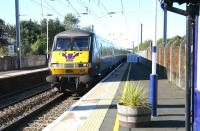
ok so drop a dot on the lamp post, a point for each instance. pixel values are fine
(18, 38)
(48, 34)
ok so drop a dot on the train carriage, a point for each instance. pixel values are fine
(78, 56)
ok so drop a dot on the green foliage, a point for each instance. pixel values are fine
(134, 95)
(3, 51)
(160, 42)
(2, 25)
(10, 31)
(54, 27)
(29, 31)
(32, 31)
(3, 40)
(39, 47)
(70, 22)
(33, 34)
(146, 44)
(175, 41)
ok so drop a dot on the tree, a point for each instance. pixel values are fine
(176, 40)
(160, 42)
(29, 32)
(3, 40)
(146, 44)
(11, 31)
(54, 27)
(2, 24)
(70, 22)
(39, 47)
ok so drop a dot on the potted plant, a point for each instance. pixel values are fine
(133, 107)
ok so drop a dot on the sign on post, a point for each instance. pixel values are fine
(11, 50)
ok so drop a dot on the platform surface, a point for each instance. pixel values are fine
(15, 73)
(97, 109)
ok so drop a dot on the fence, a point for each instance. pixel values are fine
(170, 63)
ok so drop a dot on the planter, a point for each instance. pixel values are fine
(133, 117)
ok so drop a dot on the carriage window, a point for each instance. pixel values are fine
(80, 43)
(63, 44)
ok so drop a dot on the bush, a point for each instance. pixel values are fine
(134, 96)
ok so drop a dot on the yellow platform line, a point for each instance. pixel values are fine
(93, 123)
(116, 125)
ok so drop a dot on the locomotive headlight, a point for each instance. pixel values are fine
(56, 65)
(84, 65)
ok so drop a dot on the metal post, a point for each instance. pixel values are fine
(153, 76)
(18, 34)
(141, 34)
(196, 124)
(47, 37)
(165, 26)
(188, 71)
(195, 38)
(164, 36)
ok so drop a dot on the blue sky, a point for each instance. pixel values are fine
(121, 28)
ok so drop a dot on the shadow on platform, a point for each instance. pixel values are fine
(166, 124)
(139, 72)
(171, 106)
(92, 107)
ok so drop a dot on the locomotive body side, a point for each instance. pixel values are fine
(79, 56)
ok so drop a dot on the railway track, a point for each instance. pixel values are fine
(40, 110)
(11, 99)
(13, 116)
(14, 113)
(6, 95)
(14, 124)
(41, 115)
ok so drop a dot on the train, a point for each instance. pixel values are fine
(79, 56)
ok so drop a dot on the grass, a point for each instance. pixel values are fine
(134, 96)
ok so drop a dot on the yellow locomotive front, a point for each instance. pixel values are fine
(70, 56)
(69, 59)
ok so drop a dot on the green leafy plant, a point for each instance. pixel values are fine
(134, 95)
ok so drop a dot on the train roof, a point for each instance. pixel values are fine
(74, 33)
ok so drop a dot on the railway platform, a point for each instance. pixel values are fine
(15, 73)
(97, 111)
(16, 80)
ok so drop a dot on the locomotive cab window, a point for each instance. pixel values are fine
(80, 43)
(63, 44)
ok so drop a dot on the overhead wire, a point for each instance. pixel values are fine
(54, 9)
(103, 6)
(47, 7)
(39, 4)
(73, 8)
(83, 4)
(124, 15)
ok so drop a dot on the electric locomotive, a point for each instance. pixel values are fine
(78, 56)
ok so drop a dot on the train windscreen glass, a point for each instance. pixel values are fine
(80, 43)
(63, 44)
